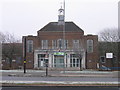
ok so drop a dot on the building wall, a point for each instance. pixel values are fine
(30, 56)
(92, 58)
(59, 35)
(89, 63)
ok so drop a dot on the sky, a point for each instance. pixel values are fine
(26, 17)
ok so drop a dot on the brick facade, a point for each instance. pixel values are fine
(54, 32)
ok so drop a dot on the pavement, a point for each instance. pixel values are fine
(42, 73)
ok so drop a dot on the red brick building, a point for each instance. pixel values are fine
(61, 45)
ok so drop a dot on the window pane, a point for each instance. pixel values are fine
(66, 44)
(74, 63)
(70, 62)
(60, 43)
(77, 62)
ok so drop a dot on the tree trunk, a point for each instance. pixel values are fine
(10, 65)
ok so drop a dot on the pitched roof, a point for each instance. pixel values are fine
(55, 27)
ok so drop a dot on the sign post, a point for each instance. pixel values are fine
(46, 69)
(24, 66)
(109, 56)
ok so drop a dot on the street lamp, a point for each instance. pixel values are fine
(24, 55)
(46, 63)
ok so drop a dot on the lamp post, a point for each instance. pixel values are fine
(24, 55)
(64, 41)
(46, 69)
(86, 59)
(46, 63)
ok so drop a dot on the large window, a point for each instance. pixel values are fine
(59, 44)
(54, 44)
(30, 46)
(89, 46)
(44, 44)
(76, 44)
(66, 44)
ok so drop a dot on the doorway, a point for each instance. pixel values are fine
(58, 61)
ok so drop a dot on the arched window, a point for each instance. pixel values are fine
(89, 46)
(30, 46)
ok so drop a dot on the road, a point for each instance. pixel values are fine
(60, 88)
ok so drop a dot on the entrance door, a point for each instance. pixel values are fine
(74, 61)
(58, 61)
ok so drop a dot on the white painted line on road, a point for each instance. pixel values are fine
(57, 82)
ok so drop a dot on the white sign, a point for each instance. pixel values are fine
(109, 55)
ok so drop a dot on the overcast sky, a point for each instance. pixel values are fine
(26, 17)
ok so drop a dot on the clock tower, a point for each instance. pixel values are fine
(61, 16)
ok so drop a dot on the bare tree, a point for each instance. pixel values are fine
(8, 38)
(109, 35)
(108, 42)
(9, 46)
(2, 37)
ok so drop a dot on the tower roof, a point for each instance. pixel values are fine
(55, 27)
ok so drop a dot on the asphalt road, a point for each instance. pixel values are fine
(10, 78)
(59, 88)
